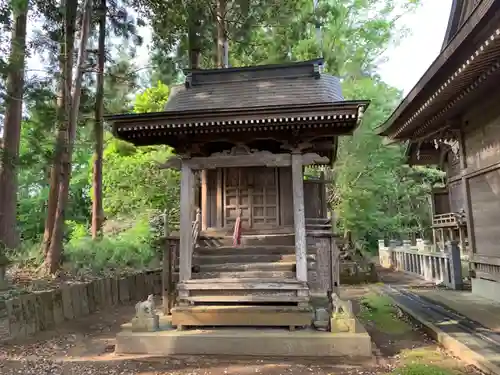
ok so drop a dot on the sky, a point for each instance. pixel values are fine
(409, 60)
(406, 62)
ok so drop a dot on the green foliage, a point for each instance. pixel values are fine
(379, 312)
(374, 194)
(133, 182)
(130, 248)
(152, 99)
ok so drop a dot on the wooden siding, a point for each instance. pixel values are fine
(485, 203)
(482, 136)
(441, 203)
(456, 196)
(482, 149)
(453, 164)
(314, 199)
(212, 198)
(285, 196)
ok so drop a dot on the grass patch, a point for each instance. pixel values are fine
(378, 311)
(422, 369)
(427, 360)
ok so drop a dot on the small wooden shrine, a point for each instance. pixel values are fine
(451, 119)
(247, 134)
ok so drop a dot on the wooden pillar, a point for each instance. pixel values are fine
(466, 190)
(204, 200)
(299, 217)
(186, 240)
(219, 199)
(167, 280)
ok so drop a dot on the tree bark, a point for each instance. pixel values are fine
(97, 212)
(63, 104)
(222, 53)
(53, 258)
(194, 26)
(9, 235)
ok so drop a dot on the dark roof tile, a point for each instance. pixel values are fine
(258, 89)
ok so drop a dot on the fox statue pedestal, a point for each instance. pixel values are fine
(145, 320)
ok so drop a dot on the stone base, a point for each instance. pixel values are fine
(486, 289)
(146, 323)
(343, 324)
(245, 342)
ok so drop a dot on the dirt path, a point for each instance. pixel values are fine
(86, 347)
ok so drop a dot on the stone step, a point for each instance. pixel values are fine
(245, 275)
(242, 316)
(201, 260)
(243, 267)
(255, 250)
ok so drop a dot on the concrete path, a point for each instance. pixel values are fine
(466, 325)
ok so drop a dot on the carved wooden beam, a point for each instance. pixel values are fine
(241, 156)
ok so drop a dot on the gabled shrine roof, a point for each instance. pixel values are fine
(286, 104)
(255, 86)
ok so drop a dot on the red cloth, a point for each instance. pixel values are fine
(237, 232)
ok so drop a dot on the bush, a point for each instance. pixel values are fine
(131, 248)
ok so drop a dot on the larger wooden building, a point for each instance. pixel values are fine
(247, 134)
(452, 119)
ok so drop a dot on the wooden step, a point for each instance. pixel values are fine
(247, 298)
(243, 284)
(241, 315)
(245, 275)
(243, 267)
(201, 260)
(285, 239)
(253, 250)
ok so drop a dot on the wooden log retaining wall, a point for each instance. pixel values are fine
(29, 313)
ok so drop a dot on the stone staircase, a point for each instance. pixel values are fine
(252, 284)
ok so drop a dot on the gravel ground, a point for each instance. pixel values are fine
(85, 347)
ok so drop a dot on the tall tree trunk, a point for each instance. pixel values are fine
(97, 212)
(222, 44)
(9, 236)
(63, 104)
(53, 258)
(194, 29)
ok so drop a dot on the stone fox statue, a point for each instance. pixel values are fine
(145, 308)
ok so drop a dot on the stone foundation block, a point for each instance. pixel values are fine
(146, 323)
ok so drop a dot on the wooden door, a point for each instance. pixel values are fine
(264, 193)
(254, 192)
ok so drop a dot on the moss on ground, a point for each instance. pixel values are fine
(378, 311)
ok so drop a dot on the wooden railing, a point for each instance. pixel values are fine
(452, 219)
(237, 229)
(434, 266)
(196, 227)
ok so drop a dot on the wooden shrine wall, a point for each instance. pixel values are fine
(441, 203)
(264, 196)
(231, 189)
(482, 149)
(315, 204)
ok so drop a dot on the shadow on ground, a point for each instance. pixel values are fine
(86, 346)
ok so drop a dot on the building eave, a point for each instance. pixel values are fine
(438, 77)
